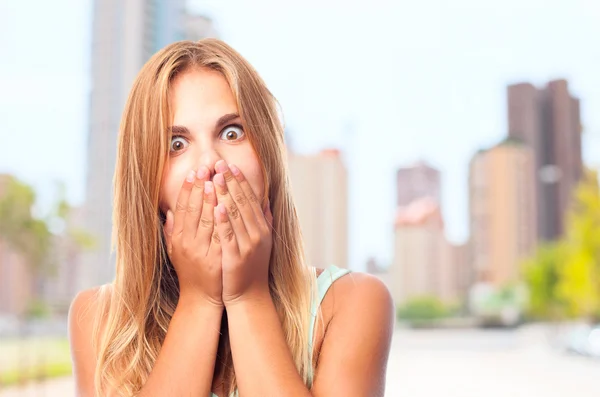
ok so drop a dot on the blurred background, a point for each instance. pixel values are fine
(449, 148)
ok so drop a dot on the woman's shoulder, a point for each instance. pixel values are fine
(350, 285)
(348, 295)
(356, 307)
(86, 312)
(88, 303)
(86, 317)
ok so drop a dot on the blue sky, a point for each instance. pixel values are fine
(389, 83)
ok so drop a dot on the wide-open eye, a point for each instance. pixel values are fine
(232, 133)
(178, 143)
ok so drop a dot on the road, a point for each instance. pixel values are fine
(457, 363)
(486, 363)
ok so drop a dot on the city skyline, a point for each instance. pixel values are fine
(440, 113)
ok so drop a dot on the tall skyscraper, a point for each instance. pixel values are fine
(320, 189)
(417, 181)
(422, 264)
(502, 211)
(548, 120)
(125, 35)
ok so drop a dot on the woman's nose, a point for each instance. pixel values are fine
(208, 159)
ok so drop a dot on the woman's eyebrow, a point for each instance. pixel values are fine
(179, 130)
(221, 122)
(226, 119)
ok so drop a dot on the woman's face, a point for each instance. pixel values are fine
(206, 128)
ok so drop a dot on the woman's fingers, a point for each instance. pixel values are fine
(206, 223)
(223, 180)
(182, 204)
(194, 208)
(168, 231)
(253, 201)
(227, 237)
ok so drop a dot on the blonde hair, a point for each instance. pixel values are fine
(145, 290)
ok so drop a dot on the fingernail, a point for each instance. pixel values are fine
(221, 208)
(190, 177)
(234, 169)
(169, 214)
(208, 187)
(202, 172)
(219, 179)
(221, 166)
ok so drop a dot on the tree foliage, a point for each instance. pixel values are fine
(24, 233)
(564, 277)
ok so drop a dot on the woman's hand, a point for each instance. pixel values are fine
(244, 230)
(191, 240)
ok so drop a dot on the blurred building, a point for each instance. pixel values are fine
(320, 189)
(60, 287)
(196, 27)
(425, 263)
(16, 277)
(502, 211)
(548, 120)
(461, 274)
(125, 35)
(417, 181)
(16, 282)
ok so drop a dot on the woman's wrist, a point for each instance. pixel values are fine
(197, 301)
(257, 297)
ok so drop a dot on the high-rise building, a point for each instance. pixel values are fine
(421, 265)
(548, 120)
(502, 211)
(320, 189)
(417, 181)
(125, 35)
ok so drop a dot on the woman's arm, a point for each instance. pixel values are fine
(355, 350)
(353, 355)
(186, 363)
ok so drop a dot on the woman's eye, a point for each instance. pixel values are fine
(178, 143)
(232, 133)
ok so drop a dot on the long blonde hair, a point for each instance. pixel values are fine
(145, 290)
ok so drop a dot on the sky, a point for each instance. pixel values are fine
(387, 82)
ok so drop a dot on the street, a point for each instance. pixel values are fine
(457, 363)
(486, 363)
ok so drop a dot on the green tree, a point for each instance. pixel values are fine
(541, 274)
(36, 238)
(23, 232)
(579, 276)
(563, 277)
(423, 308)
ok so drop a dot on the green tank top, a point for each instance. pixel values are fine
(324, 281)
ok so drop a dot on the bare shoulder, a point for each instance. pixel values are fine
(85, 308)
(359, 290)
(359, 324)
(85, 313)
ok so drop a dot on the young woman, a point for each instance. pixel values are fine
(212, 293)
